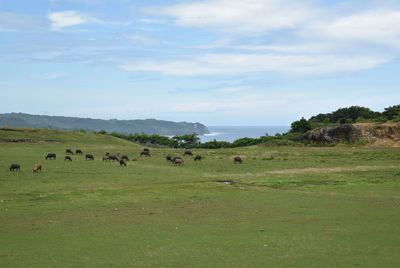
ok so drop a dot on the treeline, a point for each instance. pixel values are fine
(190, 141)
(353, 114)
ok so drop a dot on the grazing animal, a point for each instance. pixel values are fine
(146, 153)
(146, 150)
(51, 156)
(178, 161)
(67, 158)
(187, 152)
(176, 157)
(68, 151)
(79, 151)
(169, 158)
(125, 157)
(134, 159)
(197, 158)
(107, 153)
(105, 158)
(113, 157)
(37, 168)
(237, 159)
(122, 163)
(89, 157)
(14, 167)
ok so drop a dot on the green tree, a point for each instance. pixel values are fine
(300, 126)
(391, 112)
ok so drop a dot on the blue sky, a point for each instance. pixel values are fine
(219, 62)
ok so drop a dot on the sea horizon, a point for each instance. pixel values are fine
(232, 133)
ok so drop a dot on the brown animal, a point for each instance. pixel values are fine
(105, 158)
(37, 168)
(178, 161)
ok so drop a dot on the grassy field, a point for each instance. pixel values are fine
(283, 207)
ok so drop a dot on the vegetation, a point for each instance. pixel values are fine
(282, 207)
(190, 141)
(353, 114)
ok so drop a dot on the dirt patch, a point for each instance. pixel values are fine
(300, 171)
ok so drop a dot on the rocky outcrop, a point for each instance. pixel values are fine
(388, 133)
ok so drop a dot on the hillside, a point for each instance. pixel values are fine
(31, 135)
(147, 126)
(379, 134)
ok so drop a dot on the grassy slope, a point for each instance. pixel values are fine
(308, 207)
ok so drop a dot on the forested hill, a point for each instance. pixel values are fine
(148, 126)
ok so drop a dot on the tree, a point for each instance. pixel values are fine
(187, 140)
(391, 112)
(301, 126)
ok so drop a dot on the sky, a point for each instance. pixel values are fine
(218, 62)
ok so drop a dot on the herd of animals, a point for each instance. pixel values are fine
(121, 159)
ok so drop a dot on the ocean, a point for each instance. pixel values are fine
(231, 133)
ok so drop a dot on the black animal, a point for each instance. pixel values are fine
(14, 167)
(187, 152)
(68, 151)
(146, 153)
(169, 158)
(89, 157)
(237, 159)
(125, 157)
(51, 156)
(122, 163)
(146, 150)
(197, 158)
(113, 157)
(67, 158)
(79, 151)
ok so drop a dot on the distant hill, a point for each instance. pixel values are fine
(147, 126)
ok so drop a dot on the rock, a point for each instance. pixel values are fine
(352, 133)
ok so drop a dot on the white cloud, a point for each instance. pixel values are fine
(67, 18)
(245, 16)
(370, 26)
(143, 39)
(234, 64)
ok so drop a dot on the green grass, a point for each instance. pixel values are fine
(285, 207)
